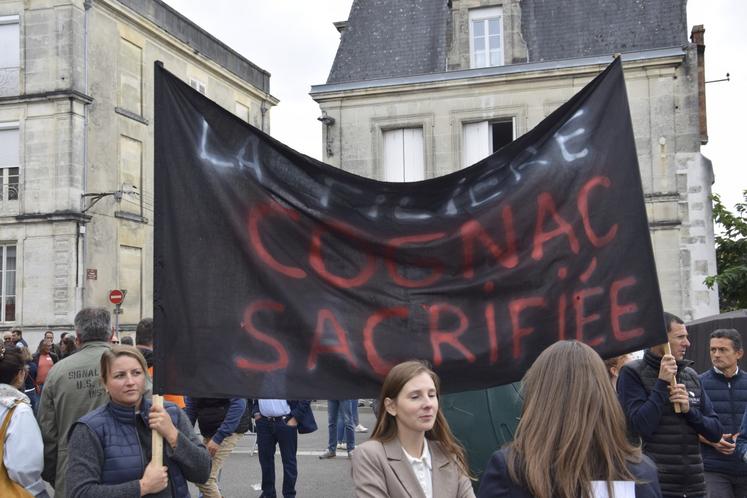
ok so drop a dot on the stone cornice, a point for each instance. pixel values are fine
(185, 51)
(51, 95)
(53, 217)
(524, 73)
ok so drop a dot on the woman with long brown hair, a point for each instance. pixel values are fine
(412, 451)
(571, 439)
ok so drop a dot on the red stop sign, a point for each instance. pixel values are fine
(116, 296)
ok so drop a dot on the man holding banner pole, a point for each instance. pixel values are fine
(670, 438)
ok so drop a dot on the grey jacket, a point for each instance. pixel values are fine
(72, 389)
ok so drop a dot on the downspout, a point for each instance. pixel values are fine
(81, 225)
(263, 108)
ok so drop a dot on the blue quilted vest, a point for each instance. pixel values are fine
(124, 455)
(729, 397)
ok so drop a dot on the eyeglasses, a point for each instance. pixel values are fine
(115, 342)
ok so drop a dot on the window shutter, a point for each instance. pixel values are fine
(475, 142)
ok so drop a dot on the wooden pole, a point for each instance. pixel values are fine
(673, 382)
(157, 439)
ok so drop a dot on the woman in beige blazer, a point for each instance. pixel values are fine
(412, 452)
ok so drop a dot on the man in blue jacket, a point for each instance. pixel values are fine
(670, 439)
(726, 385)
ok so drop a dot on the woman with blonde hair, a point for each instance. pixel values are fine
(110, 447)
(571, 439)
(412, 451)
(614, 365)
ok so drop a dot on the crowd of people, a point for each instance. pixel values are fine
(79, 416)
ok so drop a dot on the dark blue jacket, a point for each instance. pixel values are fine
(670, 439)
(742, 439)
(496, 481)
(301, 411)
(219, 418)
(644, 408)
(124, 460)
(729, 398)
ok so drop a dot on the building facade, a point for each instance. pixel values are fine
(422, 88)
(76, 147)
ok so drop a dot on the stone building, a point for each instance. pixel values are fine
(424, 87)
(76, 147)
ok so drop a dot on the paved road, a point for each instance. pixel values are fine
(241, 475)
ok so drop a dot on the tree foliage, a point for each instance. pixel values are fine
(731, 255)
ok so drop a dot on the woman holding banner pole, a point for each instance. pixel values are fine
(110, 447)
(571, 439)
(412, 451)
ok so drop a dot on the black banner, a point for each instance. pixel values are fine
(279, 276)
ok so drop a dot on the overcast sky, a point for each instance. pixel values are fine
(296, 42)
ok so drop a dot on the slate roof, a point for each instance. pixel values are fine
(393, 38)
(388, 38)
(200, 40)
(555, 29)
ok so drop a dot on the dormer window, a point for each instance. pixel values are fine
(486, 37)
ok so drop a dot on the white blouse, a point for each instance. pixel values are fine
(423, 469)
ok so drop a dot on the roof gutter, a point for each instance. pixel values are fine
(489, 72)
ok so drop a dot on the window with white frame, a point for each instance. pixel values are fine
(8, 282)
(481, 139)
(10, 54)
(197, 85)
(10, 162)
(404, 158)
(486, 37)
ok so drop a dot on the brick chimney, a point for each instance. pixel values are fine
(698, 38)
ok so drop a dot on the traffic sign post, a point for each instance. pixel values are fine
(116, 297)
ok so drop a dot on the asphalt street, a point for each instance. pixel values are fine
(241, 476)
